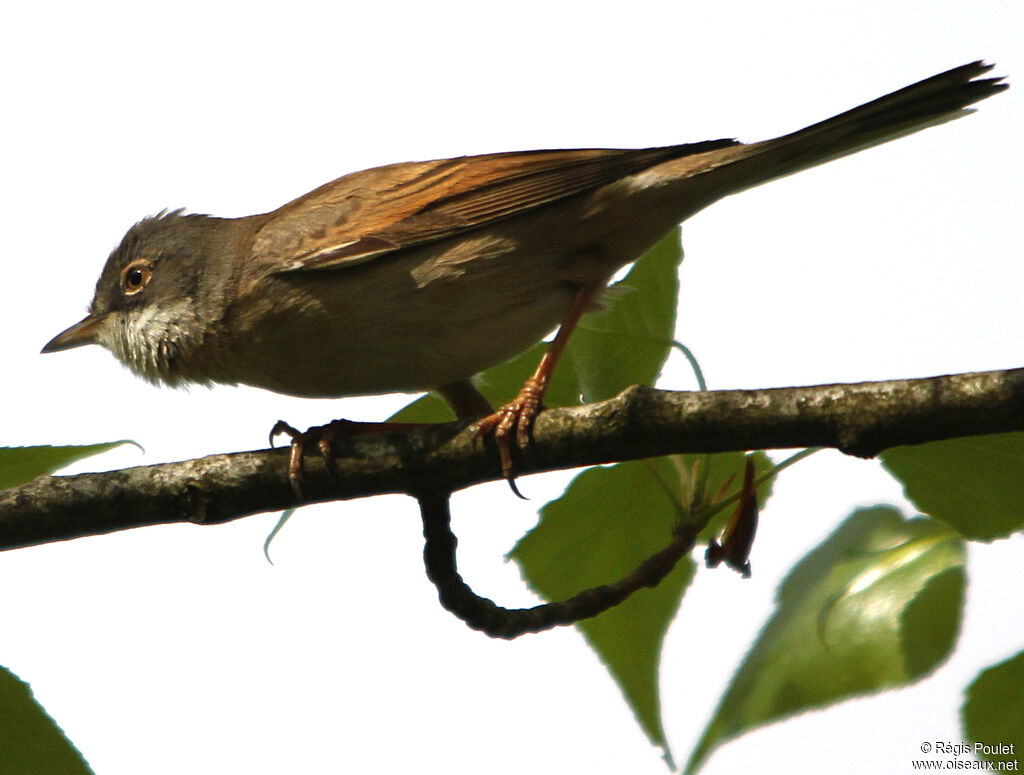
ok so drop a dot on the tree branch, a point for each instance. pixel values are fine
(481, 613)
(859, 419)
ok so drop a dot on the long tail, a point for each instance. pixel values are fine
(933, 101)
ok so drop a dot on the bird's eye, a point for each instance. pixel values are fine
(135, 276)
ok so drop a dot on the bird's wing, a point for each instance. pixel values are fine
(367, 214)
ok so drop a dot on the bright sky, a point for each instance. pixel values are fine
(179, 649)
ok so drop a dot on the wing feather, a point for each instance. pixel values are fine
(367, 214)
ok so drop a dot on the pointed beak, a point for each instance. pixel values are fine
(85, 331)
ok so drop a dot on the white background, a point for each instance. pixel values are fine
(179, 649)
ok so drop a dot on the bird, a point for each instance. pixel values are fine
(418, 276)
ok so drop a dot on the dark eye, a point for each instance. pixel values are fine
(135, 276)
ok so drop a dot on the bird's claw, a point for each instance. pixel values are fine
(513, 420)
(322, 435)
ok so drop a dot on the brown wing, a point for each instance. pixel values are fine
(367, 214)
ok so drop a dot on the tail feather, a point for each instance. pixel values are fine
(933, 101)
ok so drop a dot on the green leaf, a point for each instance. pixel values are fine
(30, 741)
(974, 484)
(623, 344)
(993, 711)
(23, 464)
(607, 523)
(626, 515)
(850, 619)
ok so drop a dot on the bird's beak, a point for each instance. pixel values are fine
(85, 331)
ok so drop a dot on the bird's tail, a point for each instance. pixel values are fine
(933, 101)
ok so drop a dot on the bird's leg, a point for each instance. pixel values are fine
(518, 414)
(465, 400)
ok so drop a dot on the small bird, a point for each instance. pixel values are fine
(418, 276)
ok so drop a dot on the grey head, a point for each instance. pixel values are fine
(160, 296)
